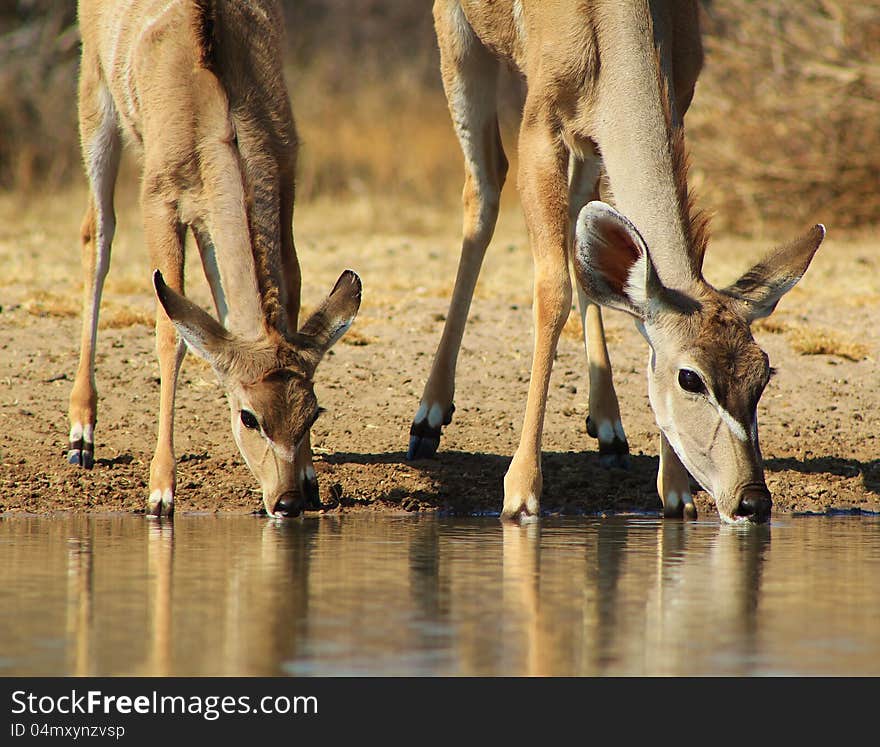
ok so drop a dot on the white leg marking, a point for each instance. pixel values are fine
(606, 432)
(618, 430)
(527, 507)
(435, 416)
(672, 500)
(165, 497)
(421, 412)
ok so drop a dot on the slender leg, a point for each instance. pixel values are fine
(208, 253)
(603, 422)
(101, 150)
(469, 79)
(164, 235)
(674, 484)
(544, 196)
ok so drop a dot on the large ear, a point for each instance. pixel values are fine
(332, 318)
(203, 334)
(760, 289)
(611, 260)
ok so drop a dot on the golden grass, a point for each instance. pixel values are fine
(112, 316)
(773, 326)
(122, 317)
(782, 127)
(573, 329)
(809, 340)
(47, 304)
(358, 339)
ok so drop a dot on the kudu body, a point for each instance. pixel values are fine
(198, 87)
(608, 83)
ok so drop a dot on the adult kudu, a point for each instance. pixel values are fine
(608, 83)
(198, 86)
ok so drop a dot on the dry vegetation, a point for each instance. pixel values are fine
(809, 340)
(783, 127)
(784, 123)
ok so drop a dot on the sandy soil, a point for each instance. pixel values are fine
(819, 423)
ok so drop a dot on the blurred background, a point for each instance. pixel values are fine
(784, 129)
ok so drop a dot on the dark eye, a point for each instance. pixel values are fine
(690, 381)
(249, 420)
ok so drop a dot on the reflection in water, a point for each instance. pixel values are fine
(353, 595)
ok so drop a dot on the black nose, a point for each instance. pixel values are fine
(288, 505)
(755, 503)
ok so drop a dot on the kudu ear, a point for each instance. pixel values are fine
(331, 319)
(204, 335)
(611, 260)
(760, 289)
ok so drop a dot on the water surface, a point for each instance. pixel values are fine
(421, 595)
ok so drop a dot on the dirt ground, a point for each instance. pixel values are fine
(819, 423)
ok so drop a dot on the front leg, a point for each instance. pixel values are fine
(674, 484)
(603, 422)
(544, 194)
(165, 242)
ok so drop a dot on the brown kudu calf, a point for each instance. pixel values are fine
(608, 84)
(198, 86)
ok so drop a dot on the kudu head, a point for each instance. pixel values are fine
(268, 381)
(706, 372)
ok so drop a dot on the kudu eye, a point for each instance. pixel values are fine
(690, 381)
(249, 420)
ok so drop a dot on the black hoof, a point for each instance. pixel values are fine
(520, 516)
(160, 511)
(615, 460)
(674, 512)
(424, 445)
(613, 454)
(424, 440)
(81, 453)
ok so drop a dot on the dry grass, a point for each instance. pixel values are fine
(358, 339)
(573, 329)
(810, 340)
(783, 128)
(112, 316)
(122, 317)
(47, 304)
(773, 326)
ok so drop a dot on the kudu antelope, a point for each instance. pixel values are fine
(198, 85)
(608, 83)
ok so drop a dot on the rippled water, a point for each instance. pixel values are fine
(421, 595)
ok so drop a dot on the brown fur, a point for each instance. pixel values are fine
(199, 85)
(607, 79)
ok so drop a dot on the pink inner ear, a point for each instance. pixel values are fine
(617, 257)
